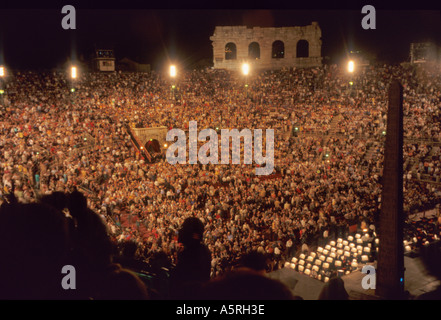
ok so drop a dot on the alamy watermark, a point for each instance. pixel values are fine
(209, 152)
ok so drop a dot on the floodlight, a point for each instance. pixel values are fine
(358, 236)
(351, 66)
(73, 72)
(2, 71)
(333, 255)
(294, 260)
(364, 258)
(301, 268)
(325, 252)
(325, 266)
(302, 256)
(322, 258)
(345, 242)
(287, 264)
(302, 262)
(367, 249)
(307, 272)
(351, 238)
(293, 265)
(172, 71)
(320, 249)
(310, 259)
(408, 248)
(339, 240)
(329, 259)
(316, 268)
(332, 243)
(245, 69)
(313, 254)
(352, 245)
(338, 263)
(328, 247)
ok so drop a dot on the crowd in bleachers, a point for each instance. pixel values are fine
(57, 139)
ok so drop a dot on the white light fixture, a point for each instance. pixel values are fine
(351, 66)
(173, 71)
(245, 69)
(73, 72)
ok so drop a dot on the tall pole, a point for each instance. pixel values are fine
(390, 267)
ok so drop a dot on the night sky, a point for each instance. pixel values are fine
(32, 38)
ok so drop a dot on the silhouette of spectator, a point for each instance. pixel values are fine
(334, 290)
(245, 284)
(193, 265)
(37, 240)
(34, 247)
(254, 260)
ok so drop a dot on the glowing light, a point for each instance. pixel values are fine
(245, 69)
(2, 91)
(351, 83)
(2, 71)
(351, 66)
(172, 71)
(73, 72)
(72, 90)
(165, 145)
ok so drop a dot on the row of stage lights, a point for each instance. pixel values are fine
(173, 70)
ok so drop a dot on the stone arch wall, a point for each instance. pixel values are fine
(243, 36)
(145, 134)
(302, 48)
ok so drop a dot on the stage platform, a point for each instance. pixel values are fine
(418, 281)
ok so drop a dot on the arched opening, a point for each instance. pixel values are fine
(302, 49)
(278, 50)
(254, 51)
(153, 148)
(230, 51)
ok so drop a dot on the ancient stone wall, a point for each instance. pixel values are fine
(145, 134)
(242, 37)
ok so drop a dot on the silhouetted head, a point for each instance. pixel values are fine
(34, 247)
(191, 232)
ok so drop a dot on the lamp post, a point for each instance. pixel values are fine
(245, 72)
(351, 69)
(2, 84)
(173, 73)
(73, 77)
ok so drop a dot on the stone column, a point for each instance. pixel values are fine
(390, 268)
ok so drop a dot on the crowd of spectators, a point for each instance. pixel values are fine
(53, 139)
